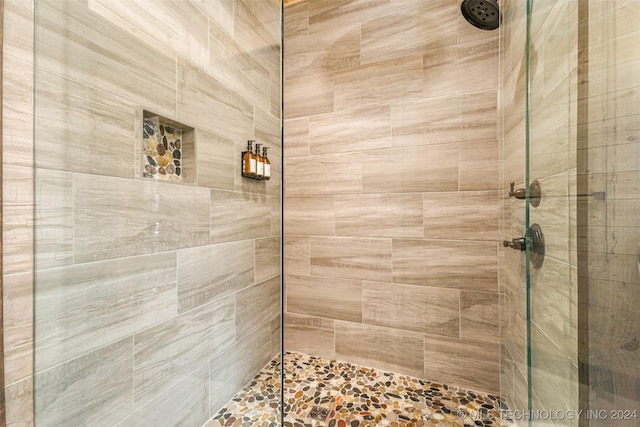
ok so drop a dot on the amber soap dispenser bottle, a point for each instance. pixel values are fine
(249, 166)
(259, 163)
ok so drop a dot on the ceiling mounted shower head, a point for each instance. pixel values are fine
(484, 14)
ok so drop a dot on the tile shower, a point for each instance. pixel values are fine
(126, 294)
(389, 137)
(165, 288)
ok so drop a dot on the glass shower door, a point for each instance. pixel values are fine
(608, 207)
(551, 168)
(157, 276)
(583, 117)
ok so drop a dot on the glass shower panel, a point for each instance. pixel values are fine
(157, 277)
(608, 229)
(583, 114)
(551, 165)
(513, 307)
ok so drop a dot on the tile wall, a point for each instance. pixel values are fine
(389, 135)
(391, 188)
(147, 293)
(17, 214)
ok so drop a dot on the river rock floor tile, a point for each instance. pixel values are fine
(321, 392)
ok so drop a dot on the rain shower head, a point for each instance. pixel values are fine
(484, 14)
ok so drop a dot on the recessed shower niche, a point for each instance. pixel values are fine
(168, 149)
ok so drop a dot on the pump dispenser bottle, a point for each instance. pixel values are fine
(259, 163)
(249, 166)
(267, 163)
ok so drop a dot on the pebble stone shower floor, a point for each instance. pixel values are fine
(321, 392)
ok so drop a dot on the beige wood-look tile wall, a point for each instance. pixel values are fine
(17, 212)
(147, 325)
(391, 188)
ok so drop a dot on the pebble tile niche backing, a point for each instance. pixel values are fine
(328, 393)
(163, 143)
